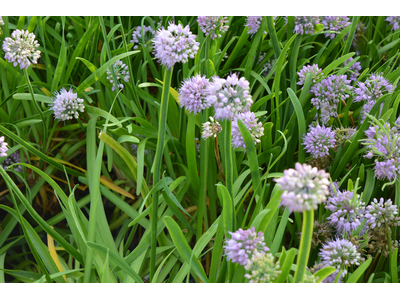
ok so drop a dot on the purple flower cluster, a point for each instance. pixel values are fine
(318, 140)
(67, 105)
(121, 72)
(394, 21)
(3, 147)
(314, 70)
(213, 26)
(193, 93)
(21, 48)
(354, 70)
(256, 129)
(335, 24)
(305, 24)
(253, 23)
(176, 44)
(229, 96)
(347, 211)
(333, 192)
(303, 187)
(328, 93)
(14, 158)
(243, 244)
(377, 213)
(147, 33)
(261, 268)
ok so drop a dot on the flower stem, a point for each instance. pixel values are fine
(229, 163)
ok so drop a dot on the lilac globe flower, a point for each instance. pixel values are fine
(121, 72)
(347, 211)
(193, 93)
(211, 129)
(354, 70)
(253, 23)
(67, 105)
(229, 96)
(314, 70)
(319, 140)
(213, 26)
(243, 244)
(335, 24)
(305, 24)
(147, 33)
(256, 129)
(177, 44)
(3, 147)
(14, 158)
(21, 48)
(378, 213)
(261, 268)
(303, 187)
(394, 21)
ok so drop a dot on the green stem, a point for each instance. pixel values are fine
(228, 162)
(157, 166)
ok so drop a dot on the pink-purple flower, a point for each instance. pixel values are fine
(313, 70)
(213, 26)
(193, 93)
(394, 21)
(67, 105)
(378, 213)
(256, 129)
(319, 140)
(305, 24)
(336, 24)
(3, 147)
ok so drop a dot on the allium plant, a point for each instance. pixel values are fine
(347, 211)
(314, 70)
(67, 105)
(243, 244)
(147, 34)
(332, 192)
(121, 72)
(14, 158)
(211, 128)
(379, 213)
(3, 147)
(319, 140)
(21, 48)
(261, 268)
(256, 129)
(335, 24)
(193, 93)
(229, 96)
(303, 187)
(354, 70)
(394, 21)
(213, 26)
(175, 44)
(253, 23)
(268, 65)
(305, 24)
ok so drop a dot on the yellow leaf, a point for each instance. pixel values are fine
(105, 181)
(53, 254)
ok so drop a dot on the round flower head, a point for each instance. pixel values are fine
(67, 105)
(14, 158)
(261, 268)
(354, 70)
(21, 48)
(3, 147)
(256, 129)
(378, 213)
(253, 23)
(305, 25)
(347, 211)
(243, 244)
(318, 140)
(335, 24)
(121, 72)
(373, 88)
(314, 70)
(176, 44)
(193, 93)
(229, 96)
(137, 34)
(211, 129)
(303, 188)
(213, 26)
(394, 21)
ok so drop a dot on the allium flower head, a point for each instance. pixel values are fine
(67, 105)
(394, 21)
(378, 213)
(335, 24)
(148, 34)
(213, 26)
(253, 23)
(176, 44)
(347, 211)
(354, 70)
(303, 188)
(305, 24)
(256, 129)
(3, 147)
(193, 93)
(261, 268)
(21, 48)
(314, 70)
(229, 96)
(14, 158)
(334, 184)
(319, 140)
(211, 129)
(243, 244)
(121, 72)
